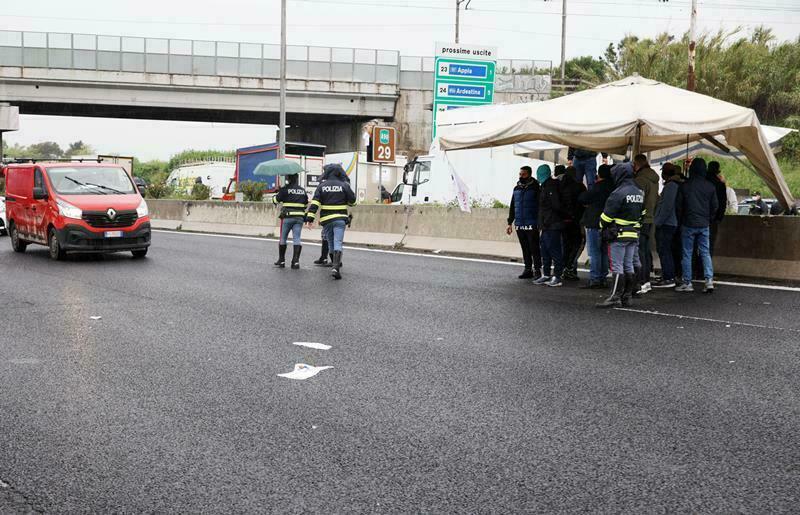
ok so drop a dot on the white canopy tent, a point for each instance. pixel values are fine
(634, 112)
(546, 151)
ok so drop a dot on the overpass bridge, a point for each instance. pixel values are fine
(331, 91)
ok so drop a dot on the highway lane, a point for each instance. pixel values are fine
(455, 388)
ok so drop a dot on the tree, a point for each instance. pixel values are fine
(45, 150)
(79, 148)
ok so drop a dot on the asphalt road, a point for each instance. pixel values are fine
(455, 388)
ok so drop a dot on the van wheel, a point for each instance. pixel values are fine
(56, 253)
(139, 254)
(16, 243)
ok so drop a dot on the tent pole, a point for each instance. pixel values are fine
(637, 141)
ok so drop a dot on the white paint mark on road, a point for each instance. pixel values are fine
(731, 362)
(302, 371)
(703, 319)
(25, 361)
(453, 258)
(313, 345)
(96, 317)
(3, 484)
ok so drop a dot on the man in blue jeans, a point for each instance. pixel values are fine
(595, 200)
(585, 163)
(331, 200)
(697, 206)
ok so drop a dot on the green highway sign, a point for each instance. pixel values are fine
(462, 82)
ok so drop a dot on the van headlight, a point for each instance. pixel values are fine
(142, 210)
(68, 210)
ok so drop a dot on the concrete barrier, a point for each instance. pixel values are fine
(748, 246)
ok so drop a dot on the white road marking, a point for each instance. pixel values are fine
(456, 258)
(302, 371)
(96, 318)
(25, 361)
(3, 484)
(702, 319)
(313, 345)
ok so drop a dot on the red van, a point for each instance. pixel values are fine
(75, 207)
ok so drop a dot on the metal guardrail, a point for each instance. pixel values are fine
(193, 57)
(257, 60)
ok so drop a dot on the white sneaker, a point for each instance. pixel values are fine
(542, 280)
(708, 287)
(645, 288)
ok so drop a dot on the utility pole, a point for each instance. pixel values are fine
(282, 120)
(690, 81)
(563, 39)
(458, 15)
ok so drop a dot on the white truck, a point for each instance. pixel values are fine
(490, 174)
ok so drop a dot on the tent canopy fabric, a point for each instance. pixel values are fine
(609, 118)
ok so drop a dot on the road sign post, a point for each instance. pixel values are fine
(384, 144)
(464, 77)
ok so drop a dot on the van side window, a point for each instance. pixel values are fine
(38, 180)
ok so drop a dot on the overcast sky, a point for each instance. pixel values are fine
(521, 29)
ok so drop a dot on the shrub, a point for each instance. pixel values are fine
(200, 192)
(159, 190)
(253, 191)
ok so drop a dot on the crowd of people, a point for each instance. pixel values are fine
(329, 206)
(622, 219)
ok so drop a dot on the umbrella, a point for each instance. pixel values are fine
(278, 167)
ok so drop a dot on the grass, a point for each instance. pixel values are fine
(739, 176)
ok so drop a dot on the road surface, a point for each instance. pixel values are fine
(455, 387)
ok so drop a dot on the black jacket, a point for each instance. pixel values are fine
(332, 197)
(294, 199)
(570, 191)
(551, 214)
(722, 197)
(595, 200)
(582, 153)
(697, 200)
(524, 206)
(625, 205)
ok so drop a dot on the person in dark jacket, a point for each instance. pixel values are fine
(697, 207)
(594, 201)
(621, 223)
(551, 222)
(722, 200)
(523, 214)
(759, 207)
(293, 199)
(585, 163)
(331, 200)
(572, 236)
(647, 180)
(326, 253)
(665, 220)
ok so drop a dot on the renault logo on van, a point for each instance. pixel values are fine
(111, 213)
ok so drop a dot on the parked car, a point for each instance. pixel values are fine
(141, 185)
(746, 205)
(2, 216)
(75, 208)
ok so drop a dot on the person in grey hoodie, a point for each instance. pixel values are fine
(666, 222)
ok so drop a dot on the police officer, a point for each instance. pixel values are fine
(330, 202)
(621, 223)
(294, 199)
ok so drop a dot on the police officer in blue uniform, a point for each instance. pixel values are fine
(330, 204)
(294, 200)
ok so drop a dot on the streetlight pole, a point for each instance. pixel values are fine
(563, 39)
(282, 121)
(690, 80)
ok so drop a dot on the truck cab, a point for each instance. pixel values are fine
(414, 188)
(75, 207)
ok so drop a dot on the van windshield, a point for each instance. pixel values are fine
(90, 181)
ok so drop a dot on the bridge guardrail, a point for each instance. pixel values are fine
(196, 57)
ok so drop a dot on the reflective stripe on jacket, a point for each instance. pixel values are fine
(331, 201)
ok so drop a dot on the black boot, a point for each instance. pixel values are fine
(323, 258)
(330, 261)
(628, 291)
(281, 262)
(337, 264)
(637, 273)
(615, 299)
(526, 274)
(296, 249)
